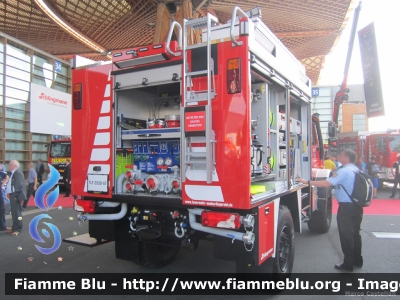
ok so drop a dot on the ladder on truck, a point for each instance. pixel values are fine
(194, 100)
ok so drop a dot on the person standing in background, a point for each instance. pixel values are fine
(373, 170)
(39, 171)
(32, 184)
(67, 178)
(338, 163)
(329, 164)
(3, 180)
(15, 190)
(361, 165)
(3, 190)
(396, 175)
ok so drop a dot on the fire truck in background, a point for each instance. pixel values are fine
(178, 142)
(58, 151)
(385, 146)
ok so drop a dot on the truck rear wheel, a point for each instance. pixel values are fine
(320, 220)
(157, 253)
(284, 250)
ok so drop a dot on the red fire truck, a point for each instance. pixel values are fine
(385, 146)
(58, 151)
(176, 142)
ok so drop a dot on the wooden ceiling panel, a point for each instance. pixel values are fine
(309, 28)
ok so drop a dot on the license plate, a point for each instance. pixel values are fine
(97, 183)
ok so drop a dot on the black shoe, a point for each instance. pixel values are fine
(66, 195)
(391, 196)
(23, 208)
(343, 267)
(358, 264)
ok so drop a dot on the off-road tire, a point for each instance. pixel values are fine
(321, 219)
(155, 256)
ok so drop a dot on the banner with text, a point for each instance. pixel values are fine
(340, 284)
(50, 111)
(372, 77)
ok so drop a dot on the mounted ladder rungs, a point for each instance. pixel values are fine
(201, 23)
(204, 160)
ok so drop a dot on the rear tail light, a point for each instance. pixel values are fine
(86, 206)
(220, 220)
(234, 79)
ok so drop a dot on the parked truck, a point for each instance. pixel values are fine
(175, 142)
(58, 151)
(385, 146)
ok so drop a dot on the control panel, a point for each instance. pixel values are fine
(156, 156)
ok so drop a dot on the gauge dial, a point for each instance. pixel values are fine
(160, 161)
(168, 161)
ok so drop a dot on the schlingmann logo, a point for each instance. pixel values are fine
(54, 100)
(50, 201)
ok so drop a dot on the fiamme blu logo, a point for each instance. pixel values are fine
(45, 202)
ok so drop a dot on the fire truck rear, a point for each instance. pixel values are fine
(178, 141)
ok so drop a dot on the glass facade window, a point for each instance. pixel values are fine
(20, 65)
(42, 72)
(39, 137)
(17, 73)
(36, 156)
(42, 81)
(17, 51)
(61, 79)
(16, 83)
(16, 114)
(61, 87)
(16, 135)
(359, 122)
(17, 93)
(17, 63)
(10, 124)
(17, 104)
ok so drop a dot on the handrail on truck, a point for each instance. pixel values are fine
(236, 9)
(171, 30)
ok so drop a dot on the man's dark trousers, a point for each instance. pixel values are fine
(349, 219)
(67, 187)
(29, 192)
(2, 213)
(396, 183)
(16, 212)
(39, 178)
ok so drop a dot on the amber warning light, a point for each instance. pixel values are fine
(234, 82)
(77, 96)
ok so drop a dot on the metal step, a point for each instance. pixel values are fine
(195, 46)
(197, 154)
(195, 162)
(196, 73)
(194, 96)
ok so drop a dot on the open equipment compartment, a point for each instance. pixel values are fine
(148, 138)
